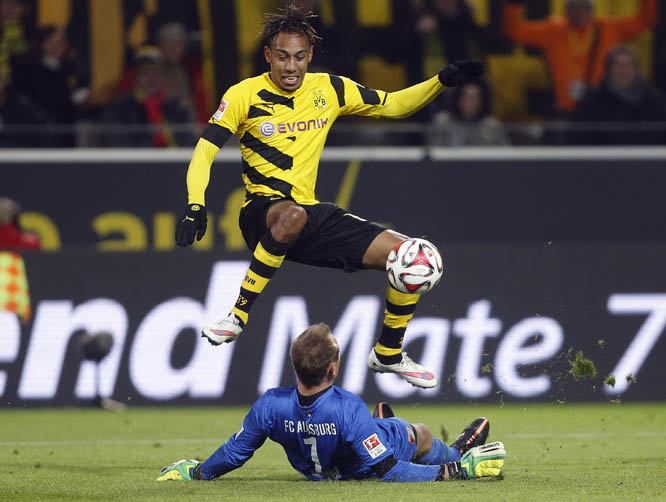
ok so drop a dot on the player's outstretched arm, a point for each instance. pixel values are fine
(400, 104)
(238, 449)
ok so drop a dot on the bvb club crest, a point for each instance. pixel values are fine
(319, 100)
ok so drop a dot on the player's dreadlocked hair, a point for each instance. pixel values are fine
(291, 19)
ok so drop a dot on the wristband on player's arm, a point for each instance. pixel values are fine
(384, 466)
(450, 471)
(196, 473)
(193, 224)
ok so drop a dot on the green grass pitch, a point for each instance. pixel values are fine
(556, 452)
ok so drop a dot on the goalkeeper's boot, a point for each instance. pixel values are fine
(183, 470)
(414, 373)
(383, 410)
(486, 460)
(475, 434)
(224, 331)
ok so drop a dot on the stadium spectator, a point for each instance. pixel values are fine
(450, 23)
(50, 76)
(154, 119)
(328, 433)
(576, 46)
(11, 234)
(21, 120)
(468, 121)
(660, 53)
(182, 73)
(624, 109)
(14, 35)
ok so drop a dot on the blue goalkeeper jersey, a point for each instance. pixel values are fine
(335, 437)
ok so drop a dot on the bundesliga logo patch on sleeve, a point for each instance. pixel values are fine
(374, 446)
(220, 110)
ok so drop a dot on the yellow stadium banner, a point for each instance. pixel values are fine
(14, 294)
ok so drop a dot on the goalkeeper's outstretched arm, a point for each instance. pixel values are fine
(240, 447)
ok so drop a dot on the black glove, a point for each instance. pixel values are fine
(193, 224)
(460, 72)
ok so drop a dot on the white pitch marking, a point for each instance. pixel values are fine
(514, 435)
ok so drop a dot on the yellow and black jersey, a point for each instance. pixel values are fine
(282, 134)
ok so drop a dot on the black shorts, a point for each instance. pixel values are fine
(332, 237)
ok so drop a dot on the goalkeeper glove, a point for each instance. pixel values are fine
(183, 470)
(193, 224)
(486, 460)
(460, 72)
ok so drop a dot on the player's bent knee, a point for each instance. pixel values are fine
(423, 440)
(290, 224)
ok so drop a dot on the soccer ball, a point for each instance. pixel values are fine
(414, 266)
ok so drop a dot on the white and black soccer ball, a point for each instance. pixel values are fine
(414, 266)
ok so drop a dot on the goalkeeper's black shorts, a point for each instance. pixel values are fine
(332, 237)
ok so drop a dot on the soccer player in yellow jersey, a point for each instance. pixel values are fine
(282, 119)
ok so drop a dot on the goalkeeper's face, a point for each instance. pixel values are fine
(289, 55)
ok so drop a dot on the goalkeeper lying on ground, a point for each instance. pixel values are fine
(328, 433)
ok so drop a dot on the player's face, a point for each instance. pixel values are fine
(289, 55)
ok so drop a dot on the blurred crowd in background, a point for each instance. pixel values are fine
(142, 73)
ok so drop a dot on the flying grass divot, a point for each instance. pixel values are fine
(582, 368)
